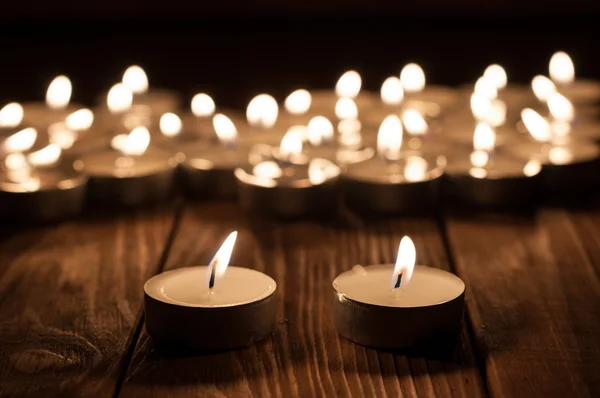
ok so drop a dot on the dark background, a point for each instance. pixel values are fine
(234, 51)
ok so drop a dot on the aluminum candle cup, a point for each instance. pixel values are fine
(128, 180)
(408, 185)
(371, 311)
(40, 194)
(499, 182)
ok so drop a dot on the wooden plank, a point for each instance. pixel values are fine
(305, 356)
(534, 299)
(71, 299)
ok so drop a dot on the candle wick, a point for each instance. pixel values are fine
(213, 273)
(398, 281)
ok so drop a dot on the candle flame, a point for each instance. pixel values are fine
(561, 108)
(345, 108)
(11, 115)
(405, 263)
(491, 111)
(479, 158)
(412, 78)
(267, 169)
(560, 155)
(562, 70)
(80, 120)
(170, 124)
(58, 94)
(533, 167)
(392, 92)
(16, 161)
(414, 122)
(20, 141)
(496, 75)
(298, 102)
(537, 126)
(262, 111)
(203, 105)
(218, 265)
(542, 87)
(485, 87)
(319, 129)
(61, 135)
(225, 129)
(46, 156)
(135, 79)
(484, 138)
(389, 138)
(136, 143)
(348, 85)
(119, 98)
(415, 168)
(291, 145)
(321, 170)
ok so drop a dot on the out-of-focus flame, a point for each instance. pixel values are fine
(389, 138)
(19, 171)
(392, 92)
(20, 141)
(137, 142)
(170, 124)
(61, 135)
(219, 263)
(345, 108)
(225, 129)
(491, 111)
(542, 87)
(16, 161)
(135, 78)
(319, 130)
(560, 129)
(262, 111)
(350, 136)
(11, 115)
(478, 172)
(414, 122)
(321, 170)
(412, 78)
(118, 141)
(484, 138)
(562, 70)
(479, 158)
(46, 156)
(560, 155)
(291, 145)
(496, 75)
(203, 105)
(58, 94)
(80, 120)
(298, 102)
(485, 87)
(533, 167)
(348, 85)
(415, 168)
(267, 169)
(538, 127)
(119, 98)
(561, 108)
(405, 263)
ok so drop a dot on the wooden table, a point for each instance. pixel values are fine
(71, 314)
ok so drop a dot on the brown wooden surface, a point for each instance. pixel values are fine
(70, 307)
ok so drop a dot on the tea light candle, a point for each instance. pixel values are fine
(421, 305)
(11, 116)
(211, 308)
(131, 175)
(57, 106)
(393, 182)
(261, 127)
(42, 186)
(287, 188)
(562, 73)
(207, 170)
(158, 101)
(348, 86)
(429, 100)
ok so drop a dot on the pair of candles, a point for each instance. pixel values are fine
(217, 307)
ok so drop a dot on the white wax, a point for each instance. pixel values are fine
(114, 163)
(372, 285)
(377, 170)
(188, 287)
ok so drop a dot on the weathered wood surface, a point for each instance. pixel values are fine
(70, 300)
(305, 357)
(535, 300)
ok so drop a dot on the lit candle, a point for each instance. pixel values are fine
(428, 99)
(486, 178)
(349, 86)
(41, 186)
(57, 106)
(203, 109)
(156, 101)
(296, 108)
(11, 116)
(261, 116)
(211, 308)
(562, 73)
(393, 182)
(288, 186)
(207, 170)
(398, 305)
(130, 174)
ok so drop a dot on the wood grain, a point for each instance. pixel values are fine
(71, 298)
(305, 356)
(533, 301)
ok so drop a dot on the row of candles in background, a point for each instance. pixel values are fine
(490, 144)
